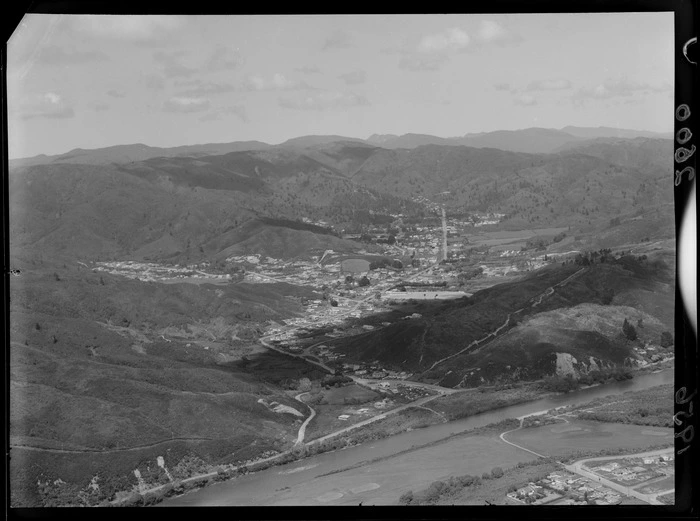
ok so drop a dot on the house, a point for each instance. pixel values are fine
(648, 461)
(343, 417)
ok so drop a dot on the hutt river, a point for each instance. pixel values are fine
(306, 482)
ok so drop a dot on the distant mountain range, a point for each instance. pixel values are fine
(530, 140)
(191, 205)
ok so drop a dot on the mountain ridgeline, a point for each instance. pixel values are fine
(154, 203)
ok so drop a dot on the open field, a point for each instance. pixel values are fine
(649, 407)
(559, 439)
(667, 483)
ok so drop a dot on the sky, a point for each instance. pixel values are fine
(92, 81)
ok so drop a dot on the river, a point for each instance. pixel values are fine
(303, 482)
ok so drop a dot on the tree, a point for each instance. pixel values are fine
(629, 330)
(496, 472)
(666, 339)
(364, 281)
(607, 295)
(407, 498)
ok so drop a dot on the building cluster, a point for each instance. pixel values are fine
(565, 488)
(651, 353)
(634, 471)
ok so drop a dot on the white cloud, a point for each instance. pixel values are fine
(276, 82)
(525, 100)
(325, 100)
(502, 86)
(434, 50)
(453, 39)
(49, 105)
(185, 104)
(620, 88)
(144, 29)
(492, 32)
(354, 77)
(200, 88)
(559, 84)
(237, 110)
(115, 93)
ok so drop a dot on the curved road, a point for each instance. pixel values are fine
(302, 429)
(503, 439)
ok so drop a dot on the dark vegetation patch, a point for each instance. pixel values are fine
(277, 369)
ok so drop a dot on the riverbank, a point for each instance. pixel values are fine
(391, 441)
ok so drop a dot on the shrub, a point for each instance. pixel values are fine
(497, 472)
(407, 498)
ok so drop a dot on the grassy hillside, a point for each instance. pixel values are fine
(103, 363)
(274, 239)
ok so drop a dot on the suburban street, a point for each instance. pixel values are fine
(577, 467)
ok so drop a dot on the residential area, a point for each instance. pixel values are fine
(649, 477)
(564, 488)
